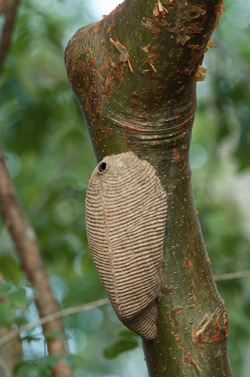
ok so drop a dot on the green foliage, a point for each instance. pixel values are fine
(13, 302)
(54, 334)
(4, 288)
(50, 159)
(230, 83)
(10, 269)
(5, 314)
(126, 341)
(30, 338)
(27, 369)
(18, 298)
(41, 368)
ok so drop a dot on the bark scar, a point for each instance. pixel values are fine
(214, 328)
(173, 316)
(124, 55)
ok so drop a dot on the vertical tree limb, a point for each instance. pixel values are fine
(9, 9)
(134, 74)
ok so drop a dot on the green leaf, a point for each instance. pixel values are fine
(41, 368)
(75, 360)
(10, 269)
(127, 334)
(5, 314)
(48, 363)
(55, 334)
(27, 370)
(30, 338)
(4, 288)
(18, 298)
(119, 347)
(126, 341)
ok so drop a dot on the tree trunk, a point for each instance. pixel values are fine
(134, 74)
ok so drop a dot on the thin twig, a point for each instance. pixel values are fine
(95, 304)
(232, 276)
(10, 10)
(6, 338)
(77, 309)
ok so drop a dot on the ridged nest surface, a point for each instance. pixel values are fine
(126, 215)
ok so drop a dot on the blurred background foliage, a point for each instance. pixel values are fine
(50, 158)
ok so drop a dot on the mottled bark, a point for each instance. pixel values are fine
(134, 74)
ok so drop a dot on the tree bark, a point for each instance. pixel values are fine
(10, 355)
(9, 9)
(134, 74)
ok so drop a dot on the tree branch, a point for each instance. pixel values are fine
(134, 74)
(25, 241)
(4, 370)
(232, 276)
(9, 8)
